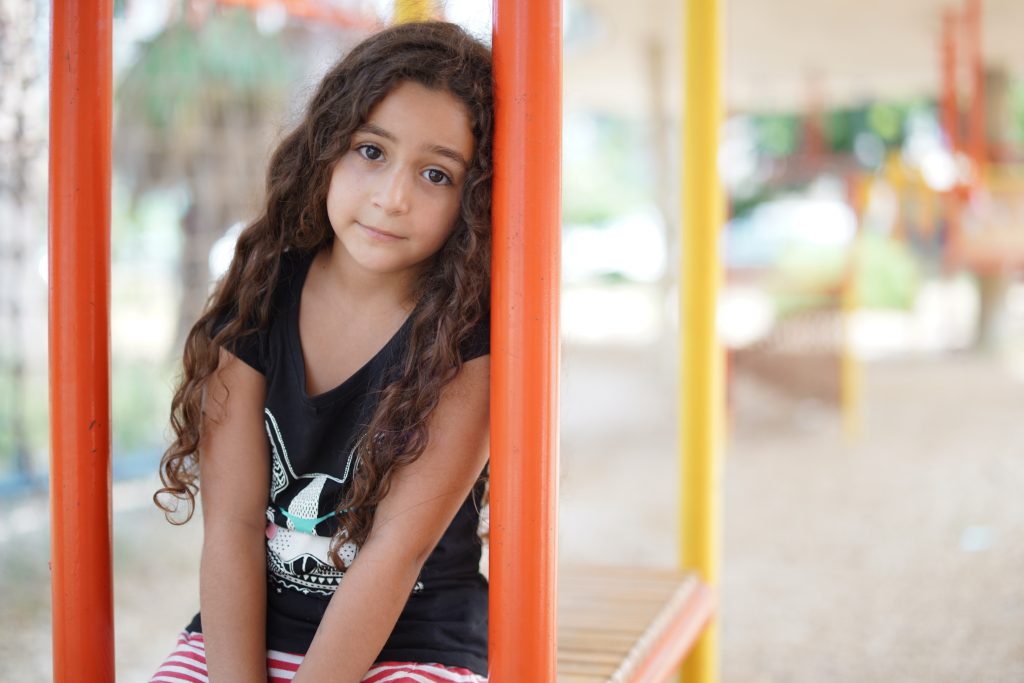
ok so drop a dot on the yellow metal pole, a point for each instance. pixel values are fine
(850, 370)
(850, 385)
(407, 11)
(701, 407)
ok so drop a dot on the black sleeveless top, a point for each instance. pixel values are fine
(313, 442)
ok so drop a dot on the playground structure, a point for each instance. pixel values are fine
(965, 216)
(982, 208)
(83, 426)
(650, 618)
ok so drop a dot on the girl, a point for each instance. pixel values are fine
(334, 399)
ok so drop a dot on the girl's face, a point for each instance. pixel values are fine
(394, 195)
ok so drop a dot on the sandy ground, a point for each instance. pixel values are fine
(897, 558)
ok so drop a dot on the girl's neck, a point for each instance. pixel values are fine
(375, 290)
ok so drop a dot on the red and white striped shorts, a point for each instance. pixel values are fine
(187, 664)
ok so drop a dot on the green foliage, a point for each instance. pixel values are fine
(842, 127)
(780, 134)
(1017, 105)
(777, 134)
(140, 401)
(7, 445)
(224, 58)
(606, 172)
(807, 277)
(34, 408)
(888, 276)
(741, 206)
(147, 229)
(888, 120)
(810, 276)
(884, 120)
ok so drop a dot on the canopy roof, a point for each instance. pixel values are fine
(780, 54)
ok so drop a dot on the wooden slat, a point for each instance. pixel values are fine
(611, 620)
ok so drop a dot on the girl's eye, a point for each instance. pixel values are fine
(437, 177)
(371, 152)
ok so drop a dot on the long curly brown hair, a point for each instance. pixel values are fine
(453, 294)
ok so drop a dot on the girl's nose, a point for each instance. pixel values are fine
(392, 194)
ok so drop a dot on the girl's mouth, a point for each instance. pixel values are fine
(378, 234)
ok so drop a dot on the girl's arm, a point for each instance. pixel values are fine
(233, 471)
(421, 503)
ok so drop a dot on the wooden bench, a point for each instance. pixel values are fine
(626, 625)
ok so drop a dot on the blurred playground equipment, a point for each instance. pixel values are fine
(956, 207)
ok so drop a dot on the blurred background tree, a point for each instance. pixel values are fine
(198, 111)
(22, 201)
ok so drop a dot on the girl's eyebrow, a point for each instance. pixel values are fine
(376, 130)
(449, 153)
(441, 150)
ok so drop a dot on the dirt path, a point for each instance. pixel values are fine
(897, 559)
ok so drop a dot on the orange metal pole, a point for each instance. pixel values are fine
(814, 124)
(79, 246)
(524, 349)
(950, 113)
(951, 122)
(977, 66)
